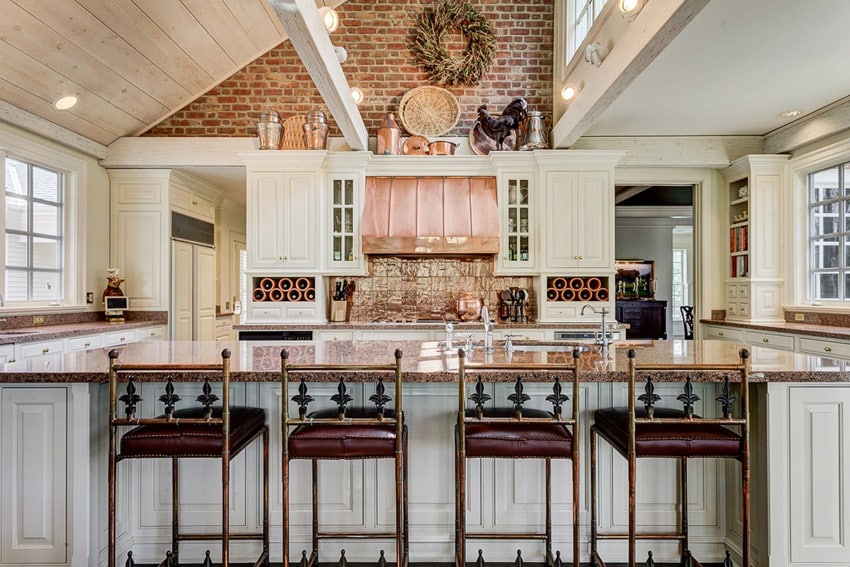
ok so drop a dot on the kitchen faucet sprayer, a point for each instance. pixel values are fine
(602, 337)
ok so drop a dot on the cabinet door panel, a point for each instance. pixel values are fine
(33, 488)
(592, 213)
(266, 234)
(299, 219)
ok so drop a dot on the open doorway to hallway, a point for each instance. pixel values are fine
(654, 223)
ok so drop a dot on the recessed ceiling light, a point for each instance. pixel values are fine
(791, 113)
(629, 9)
(357, 95)
(65, 102)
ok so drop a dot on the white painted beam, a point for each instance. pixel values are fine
(647, 36)
(816, 126)
(627, 193)
(300, 19)
(28, 121)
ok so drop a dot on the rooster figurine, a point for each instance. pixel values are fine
(512, 119)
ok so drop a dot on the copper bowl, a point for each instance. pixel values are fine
(441, 148)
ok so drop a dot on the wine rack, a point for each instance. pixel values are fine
(577, 288)
(291, 289)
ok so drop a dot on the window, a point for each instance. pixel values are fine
(581, 14)
(34, 232)
(680, 281)
(829, 233)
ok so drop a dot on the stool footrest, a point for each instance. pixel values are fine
(505, 535)
(350, 535)
(216, 537)
(662, 536)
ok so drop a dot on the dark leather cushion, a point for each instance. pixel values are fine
(674, 440)
(323, 441)
(193, 440)
(517, 440)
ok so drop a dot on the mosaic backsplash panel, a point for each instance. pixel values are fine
(407, 289)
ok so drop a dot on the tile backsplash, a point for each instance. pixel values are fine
(407, 289)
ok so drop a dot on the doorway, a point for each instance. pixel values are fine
(654, 223)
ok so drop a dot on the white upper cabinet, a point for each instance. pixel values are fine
(578, 210)
(283, 220)
(346, 180)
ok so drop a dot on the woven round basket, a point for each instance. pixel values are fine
(293, 133)
(428, 111)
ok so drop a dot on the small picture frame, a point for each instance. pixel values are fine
(635, 278)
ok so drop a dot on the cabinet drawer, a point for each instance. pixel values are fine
(119, 338)
(770, 340)
(39, 349)
(77, 344)
(151, 334)
(824, 347)
(722, 333)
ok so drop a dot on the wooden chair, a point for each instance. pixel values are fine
(203, 432)
(657, 432)
(345, 432)
(516, 432)
(687, 312)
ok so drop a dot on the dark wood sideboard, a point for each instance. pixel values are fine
(647, 318)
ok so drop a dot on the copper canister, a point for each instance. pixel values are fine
(389, 137)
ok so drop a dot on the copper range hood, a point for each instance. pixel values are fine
(416, 216)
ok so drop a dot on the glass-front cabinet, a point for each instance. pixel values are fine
(344, 197)
(518, 225)
(342, 220)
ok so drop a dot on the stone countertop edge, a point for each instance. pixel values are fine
(824, 331)
(425, 361)
(413, 325)
(53, 332)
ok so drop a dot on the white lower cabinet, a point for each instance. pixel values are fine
(44, 477)
(809, 497)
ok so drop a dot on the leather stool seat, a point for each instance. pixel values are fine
(506, 440)
(350, 442)
(673, 440)
(193, 440)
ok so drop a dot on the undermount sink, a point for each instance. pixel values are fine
(553, 348)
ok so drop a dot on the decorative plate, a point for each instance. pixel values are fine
(482, 144)
(428, 111)
(415, 146)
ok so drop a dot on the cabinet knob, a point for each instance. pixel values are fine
(122, 339)
(194, 202)
(765, 340)
(827, 349)
(87, 345)
(45, 350)
(720, 334)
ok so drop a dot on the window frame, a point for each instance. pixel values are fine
(800, 167)
(841, 233)
(73, 171)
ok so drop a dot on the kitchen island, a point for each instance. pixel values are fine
(53, 457)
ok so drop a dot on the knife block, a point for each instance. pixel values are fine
(339, 310)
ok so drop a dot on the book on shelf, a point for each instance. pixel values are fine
(739, 239)
(740, 267)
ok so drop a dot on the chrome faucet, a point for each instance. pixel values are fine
(602, 338)
(488, 329)
(509, 343)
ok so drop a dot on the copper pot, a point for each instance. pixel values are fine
(469, 309)
(441, 148)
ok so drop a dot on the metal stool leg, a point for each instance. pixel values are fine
(460, 505)
(406, 526)
(683, 468)
(315, 479)
(548, 468)
(593, 488)
(175, 509)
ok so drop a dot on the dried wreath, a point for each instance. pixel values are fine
(432, 23)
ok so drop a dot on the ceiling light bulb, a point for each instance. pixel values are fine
(630, 8)
(356, 95)
(65, 102)
(330, 18)
(569, 92)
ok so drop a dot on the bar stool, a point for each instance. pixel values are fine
(203, 432)
(516, 432)
(345, 432)
(687, 312)
(656, 432)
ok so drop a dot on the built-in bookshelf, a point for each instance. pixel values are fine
(739, 228)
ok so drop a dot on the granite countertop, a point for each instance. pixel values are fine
(419, 324)
(825, 331)
(52, 332)
(424, 361)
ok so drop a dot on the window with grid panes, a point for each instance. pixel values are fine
(34, 245)
(829, 233)
(580, 15)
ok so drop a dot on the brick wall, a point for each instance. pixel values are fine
(375, 32)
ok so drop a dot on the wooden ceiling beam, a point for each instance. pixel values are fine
(303, 25)
(641, 42)
(50, 130)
